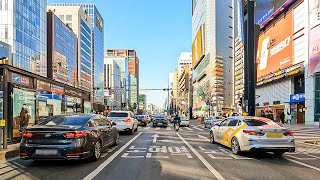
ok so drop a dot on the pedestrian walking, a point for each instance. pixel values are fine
(24, 117)
(288, 118)
(282, 116)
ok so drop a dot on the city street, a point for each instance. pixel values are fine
(162, 153)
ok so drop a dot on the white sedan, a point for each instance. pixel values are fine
(125, 121)
(184, 121)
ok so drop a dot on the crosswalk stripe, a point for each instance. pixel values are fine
(157, 128)
(146, 128)
(168, 128)
(188, 128)
(198, 128)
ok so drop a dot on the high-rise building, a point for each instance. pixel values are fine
(97, 49)
(23, 25)
(213, 53)
(121, 59)
(79, 21)
(133, 69)
(185, 58)
(62, 51)
(112, 78)
(142, 103)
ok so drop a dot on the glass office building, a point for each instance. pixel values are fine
(23, 26)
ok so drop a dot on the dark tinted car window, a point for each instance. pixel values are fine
(255, 122)
(73, 120)
(233, 122)
(115, 114)
(159, 117)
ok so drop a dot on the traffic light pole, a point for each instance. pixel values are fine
(251, 33)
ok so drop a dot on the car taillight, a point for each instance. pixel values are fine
(127, 120)
(290, 133)
(76, 134)
(215, 120)
(257, 133)
(27, 134)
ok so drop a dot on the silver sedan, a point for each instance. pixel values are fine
(253, 133)
(211, 121)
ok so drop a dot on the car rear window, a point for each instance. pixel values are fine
(260, 122)
(118, 114)
(160, 117)
(74, 120)
(141, 116)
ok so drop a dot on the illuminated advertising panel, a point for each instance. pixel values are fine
(314, 13)
(275, 47)
(266, 8)
(314, 48)
(197, 52)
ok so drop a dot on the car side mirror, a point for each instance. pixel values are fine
(113, 124)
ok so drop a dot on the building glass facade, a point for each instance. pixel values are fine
(98, 50)
(23, 25)
(62, 57)
(86, 55)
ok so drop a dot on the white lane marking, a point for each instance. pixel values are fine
(168, 128)
(125, 155)
(301, 158)
(202, 137)
(205, 162)
(201, 148)
(134, 147)
(109, 160)
(303, 164)
(213, 157)
(146, 128)
(198, 128)
(155, 137)
(157, 128)
(149, 155)
(189, 128)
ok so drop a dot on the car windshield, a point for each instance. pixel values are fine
(73, 120)
(118, 114)
(261, 122)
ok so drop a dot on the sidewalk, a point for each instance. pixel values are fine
(296, 125)
(12, 151)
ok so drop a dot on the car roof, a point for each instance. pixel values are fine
(250, 117)
(120, 112)
(79, 114)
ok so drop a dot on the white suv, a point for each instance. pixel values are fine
(125, 120)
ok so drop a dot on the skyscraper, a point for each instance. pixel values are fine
(23, 25)
(78, 20)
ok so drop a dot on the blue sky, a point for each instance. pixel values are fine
(158, 29)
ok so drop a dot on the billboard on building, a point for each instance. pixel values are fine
(314, 48)
(314, 13)
(266, 8)
(275, 46)
(197, 49)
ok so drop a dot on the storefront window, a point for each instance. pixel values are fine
(87, 107)
(23, 109)
(71, 104)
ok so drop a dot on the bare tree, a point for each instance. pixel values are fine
(205, 94)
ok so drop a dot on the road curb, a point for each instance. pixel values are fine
(9, 154)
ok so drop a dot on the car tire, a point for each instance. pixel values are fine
(130, 132)
(116, 140)
(188, 125)
(97, 149)
(136, 129)
(235, 147)
(205, 126)
(212, 141)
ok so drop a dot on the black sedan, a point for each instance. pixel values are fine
(160, 120)
(72, 136)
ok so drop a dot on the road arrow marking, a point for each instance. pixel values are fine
(155, 138)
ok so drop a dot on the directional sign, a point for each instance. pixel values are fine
(155, 138)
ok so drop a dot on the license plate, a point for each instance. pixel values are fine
(46, 152)
(274, 135)
(160, 123)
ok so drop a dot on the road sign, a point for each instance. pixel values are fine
(2, 122)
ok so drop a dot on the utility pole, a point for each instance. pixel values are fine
(251, 34)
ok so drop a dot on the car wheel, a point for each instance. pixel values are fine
(96, 151)
(279, 153)
(235, 147)
(212, 138)
(136, 129)
(205, 126)
(130, 132)
(116, 140)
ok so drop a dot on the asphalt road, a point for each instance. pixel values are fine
(162, 153)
